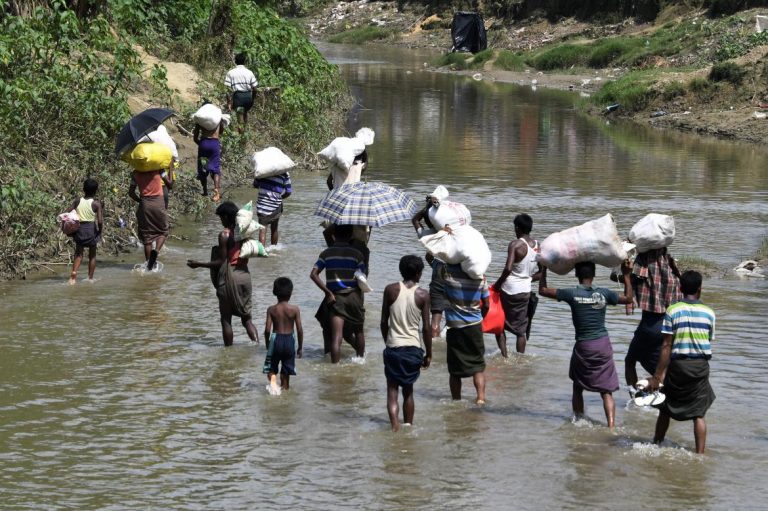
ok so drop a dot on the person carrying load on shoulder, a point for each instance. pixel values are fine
(152, 215)
(242, 84)
(592, 366)
(269, 206)
(209, 158)
(91, 214)
(437, 300)
(514, 285)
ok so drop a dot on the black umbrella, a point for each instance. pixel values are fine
(139, 126)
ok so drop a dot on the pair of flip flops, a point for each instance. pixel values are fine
(643, 397)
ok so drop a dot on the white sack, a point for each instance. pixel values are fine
(366, 135)
(252, 248)
(450, 213)
(465, 246)
(342, 151)
(251, 231)
(208, 116)
(653, 231)
(161, 136)
(244, 217)
(440, 193)
(270, 162)
(597, 241)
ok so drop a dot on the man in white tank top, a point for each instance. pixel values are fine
(514, 284)
(404, 309)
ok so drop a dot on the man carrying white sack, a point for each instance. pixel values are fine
(269, 206)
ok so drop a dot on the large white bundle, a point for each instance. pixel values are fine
(450, 213)
(244, 217)
(597, 241)
(440, 193)
(161, 136)
(342, 151)
(270, 162)
(366, 135)
(464, 245)
(653, 231)
(209, 116)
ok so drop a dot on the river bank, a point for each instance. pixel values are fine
(662, 71)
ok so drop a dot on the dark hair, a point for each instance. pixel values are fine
(524, 223)
(342, 232)
(240, 58)
(411, 266)
(228, 212)
(585, 270)
(690, 282)
(282, 288)
(90, 186)
(362, 157)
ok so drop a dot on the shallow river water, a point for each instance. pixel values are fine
(119, 394)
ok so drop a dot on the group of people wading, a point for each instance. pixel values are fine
(671, 342)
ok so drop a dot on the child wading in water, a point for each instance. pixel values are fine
(281, 348)
(91, 224)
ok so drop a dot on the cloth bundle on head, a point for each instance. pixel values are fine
(342, 151)
(148, 156)
(270, 162)
(209, 116)
(653, 231)
(161, 136)
(597, 241)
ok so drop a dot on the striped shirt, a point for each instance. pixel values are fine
(340, 263)
(464, 295)
(240, 79)
(271, 191)
(693, 325)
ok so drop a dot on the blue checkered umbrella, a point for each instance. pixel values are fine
(364, 203)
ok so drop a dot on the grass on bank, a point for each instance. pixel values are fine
(509, 61)
(360, 35)
(706, 268)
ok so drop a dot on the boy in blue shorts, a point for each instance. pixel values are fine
(281, 349)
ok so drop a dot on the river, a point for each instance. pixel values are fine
(119, 394)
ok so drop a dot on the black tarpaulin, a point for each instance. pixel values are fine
(468, 32)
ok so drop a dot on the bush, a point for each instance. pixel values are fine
(361, 35)
(631, 91)
(559, 57)
(607, 51)
(673, 90)
(453, 60)
(509, 61)
(481, 58)
(698, 85)
(727, 72)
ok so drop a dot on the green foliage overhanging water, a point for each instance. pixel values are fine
(66, 81)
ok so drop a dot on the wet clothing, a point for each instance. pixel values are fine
(281, 354)
(516, 312)
(588, 309)
(519, 279)
(85, 210)
(693, 325)
(152, 218)
(403, 365)
(404, 319)
(465, 351)
(350, 306)
(87, 235)
(208, 157)
(464, 295)
(269, 204)
(654, 283)
(233, 280)
(592, 366)
(686, 386)
(437, 301)
(340, 263)
(646, 343)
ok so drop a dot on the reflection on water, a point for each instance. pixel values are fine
(119, 395)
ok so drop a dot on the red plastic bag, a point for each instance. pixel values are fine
(493, 322)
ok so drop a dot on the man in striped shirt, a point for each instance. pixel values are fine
(688, 329)
(343, 303)
(467, 304)
(242, 83)
(269, 205)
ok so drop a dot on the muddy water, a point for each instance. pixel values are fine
(118, 394)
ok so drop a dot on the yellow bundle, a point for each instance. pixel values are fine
(148, 156)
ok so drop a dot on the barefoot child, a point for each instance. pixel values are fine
(91, 224)
(281, 350)
(209, 158)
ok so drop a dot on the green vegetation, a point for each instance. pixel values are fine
(453, 60)
(672, 90)
(606, 51)
(563, 56)
(632, 91)
(66, 78)
(509, 61)
(727, 72)
(706, 268)
(361, 35)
